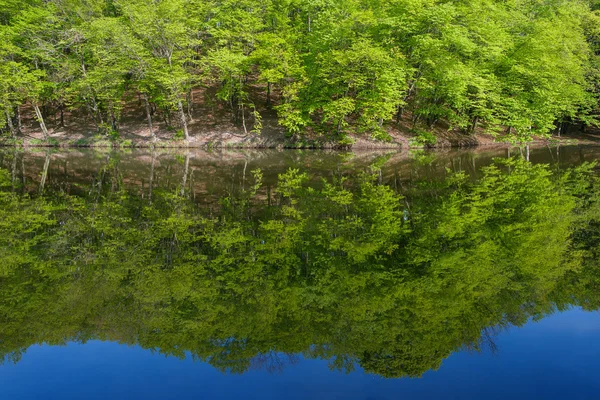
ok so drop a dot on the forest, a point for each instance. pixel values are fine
(332, 69)
(345, 268)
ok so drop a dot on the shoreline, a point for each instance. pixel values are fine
(360, 144)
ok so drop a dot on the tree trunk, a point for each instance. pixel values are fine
(243, 117)
(62, 115)
(18, 116)
(190, 105)
(269, 94)
(97, 113)
(40, 119)
(149, 117)
(399, 114)
(113, 120)
(93, 115)
(9, 122)
(183, 120)
(167, 116)
(474, 123)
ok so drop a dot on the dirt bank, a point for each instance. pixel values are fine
(214, 129)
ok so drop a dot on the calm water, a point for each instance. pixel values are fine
(300, 275)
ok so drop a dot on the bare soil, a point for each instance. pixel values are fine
(212, 126)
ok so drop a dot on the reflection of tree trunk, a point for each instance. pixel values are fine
(40, 119)
(185, 173)
(23, 173)
(115, 181)
(244, 174)
(149, 116)
(45, 173)
(151, 183)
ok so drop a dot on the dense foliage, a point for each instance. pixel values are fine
(346, 269)
(329, 67)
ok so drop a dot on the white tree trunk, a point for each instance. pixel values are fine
(183, 120)
(149, 116)
(40, 119)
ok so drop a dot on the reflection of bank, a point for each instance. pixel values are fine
(212, 174)
(331, 269)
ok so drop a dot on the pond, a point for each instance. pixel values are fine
(300, 274)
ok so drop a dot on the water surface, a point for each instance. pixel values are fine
(290, 274)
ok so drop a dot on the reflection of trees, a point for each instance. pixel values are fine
(351, 271)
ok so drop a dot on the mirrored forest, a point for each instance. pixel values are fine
(346, 267)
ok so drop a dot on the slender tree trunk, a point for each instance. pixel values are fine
(269, 94)
(40, 119)
(62, 115)
(10, 124)
(19, 122)
(183, 120)
(97, 111)
(399, 114)
(93, 114)
(45, 173)
(474, 123)
(243, 117)
(190, 105)
(113, 120)
(166, 116)
(149, 117)
(185, 173)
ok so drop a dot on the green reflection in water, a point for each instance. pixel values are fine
(346, 269)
